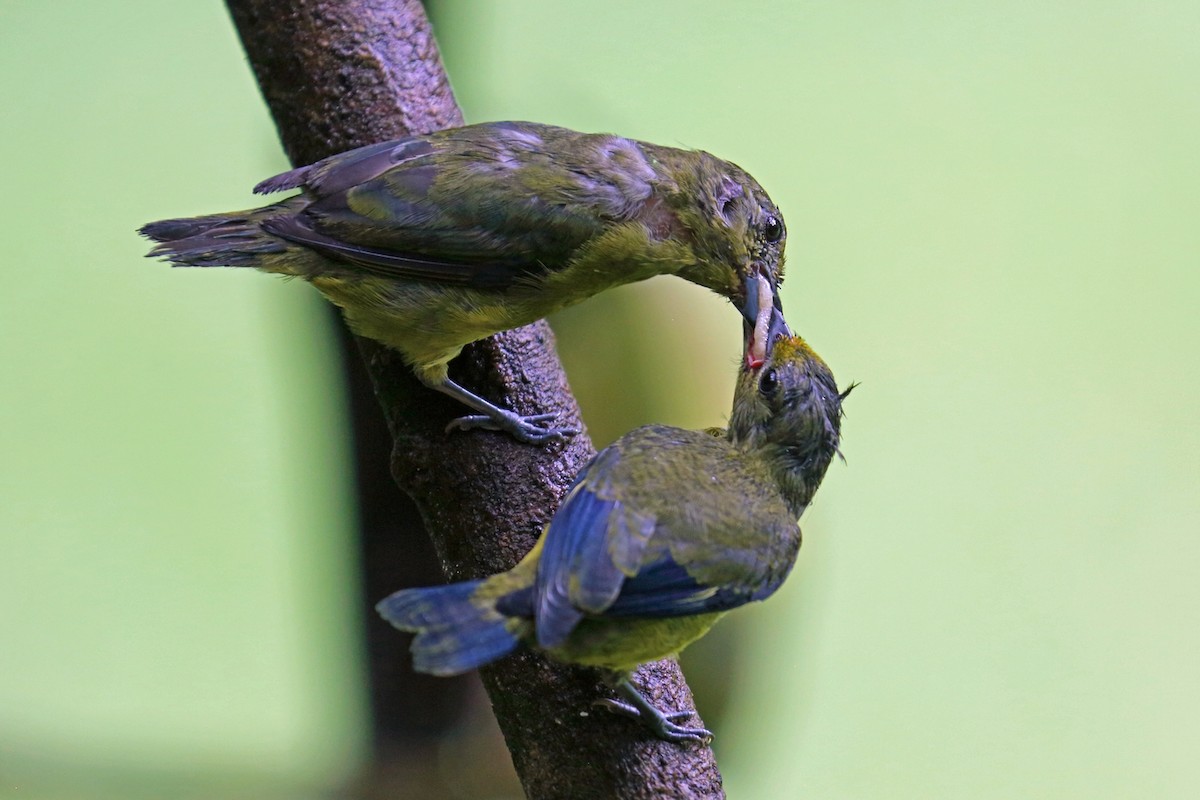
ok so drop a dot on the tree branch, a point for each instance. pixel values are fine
(343, 73)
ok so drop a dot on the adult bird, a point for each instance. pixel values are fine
(662, 533)
(428, 243)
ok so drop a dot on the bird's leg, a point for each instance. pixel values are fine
(491, 417)
(662, 725)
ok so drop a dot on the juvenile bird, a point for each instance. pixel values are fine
(662, 532)
(430, 242)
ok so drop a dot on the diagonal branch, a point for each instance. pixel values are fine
(343, 73)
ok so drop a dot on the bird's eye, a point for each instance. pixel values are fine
(768, 383)
(772, 229)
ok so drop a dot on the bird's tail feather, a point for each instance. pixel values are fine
(234, 239)
(457, 629)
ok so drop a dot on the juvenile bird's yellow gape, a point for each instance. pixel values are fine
(430, 242)
(662, 532)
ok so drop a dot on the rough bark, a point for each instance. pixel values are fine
(343, 73)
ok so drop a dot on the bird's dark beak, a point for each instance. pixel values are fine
(763, 321)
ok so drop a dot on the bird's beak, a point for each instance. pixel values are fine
(763, 321)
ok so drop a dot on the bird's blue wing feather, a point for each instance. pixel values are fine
(593, 544)
(579, 527)
(666, 589)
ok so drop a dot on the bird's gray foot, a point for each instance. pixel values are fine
(529, 429)
(526, 429)
(664, 726)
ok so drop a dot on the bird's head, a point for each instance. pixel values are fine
(789, 411)
(735, 231)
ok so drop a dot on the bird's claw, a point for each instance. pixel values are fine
(663, 725)
(527, 429)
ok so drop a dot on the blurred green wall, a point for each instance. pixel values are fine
(992, 216)
(174, 558)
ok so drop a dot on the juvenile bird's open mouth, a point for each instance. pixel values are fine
(756, 341)
(763, 321)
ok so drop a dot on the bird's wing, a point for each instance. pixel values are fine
(482, 206)
(592, 545)
(667, 588)
(618, 547)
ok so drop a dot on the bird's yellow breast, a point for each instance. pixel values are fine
(623, 643)
(429, 323)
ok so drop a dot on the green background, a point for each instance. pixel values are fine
(992, 214)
